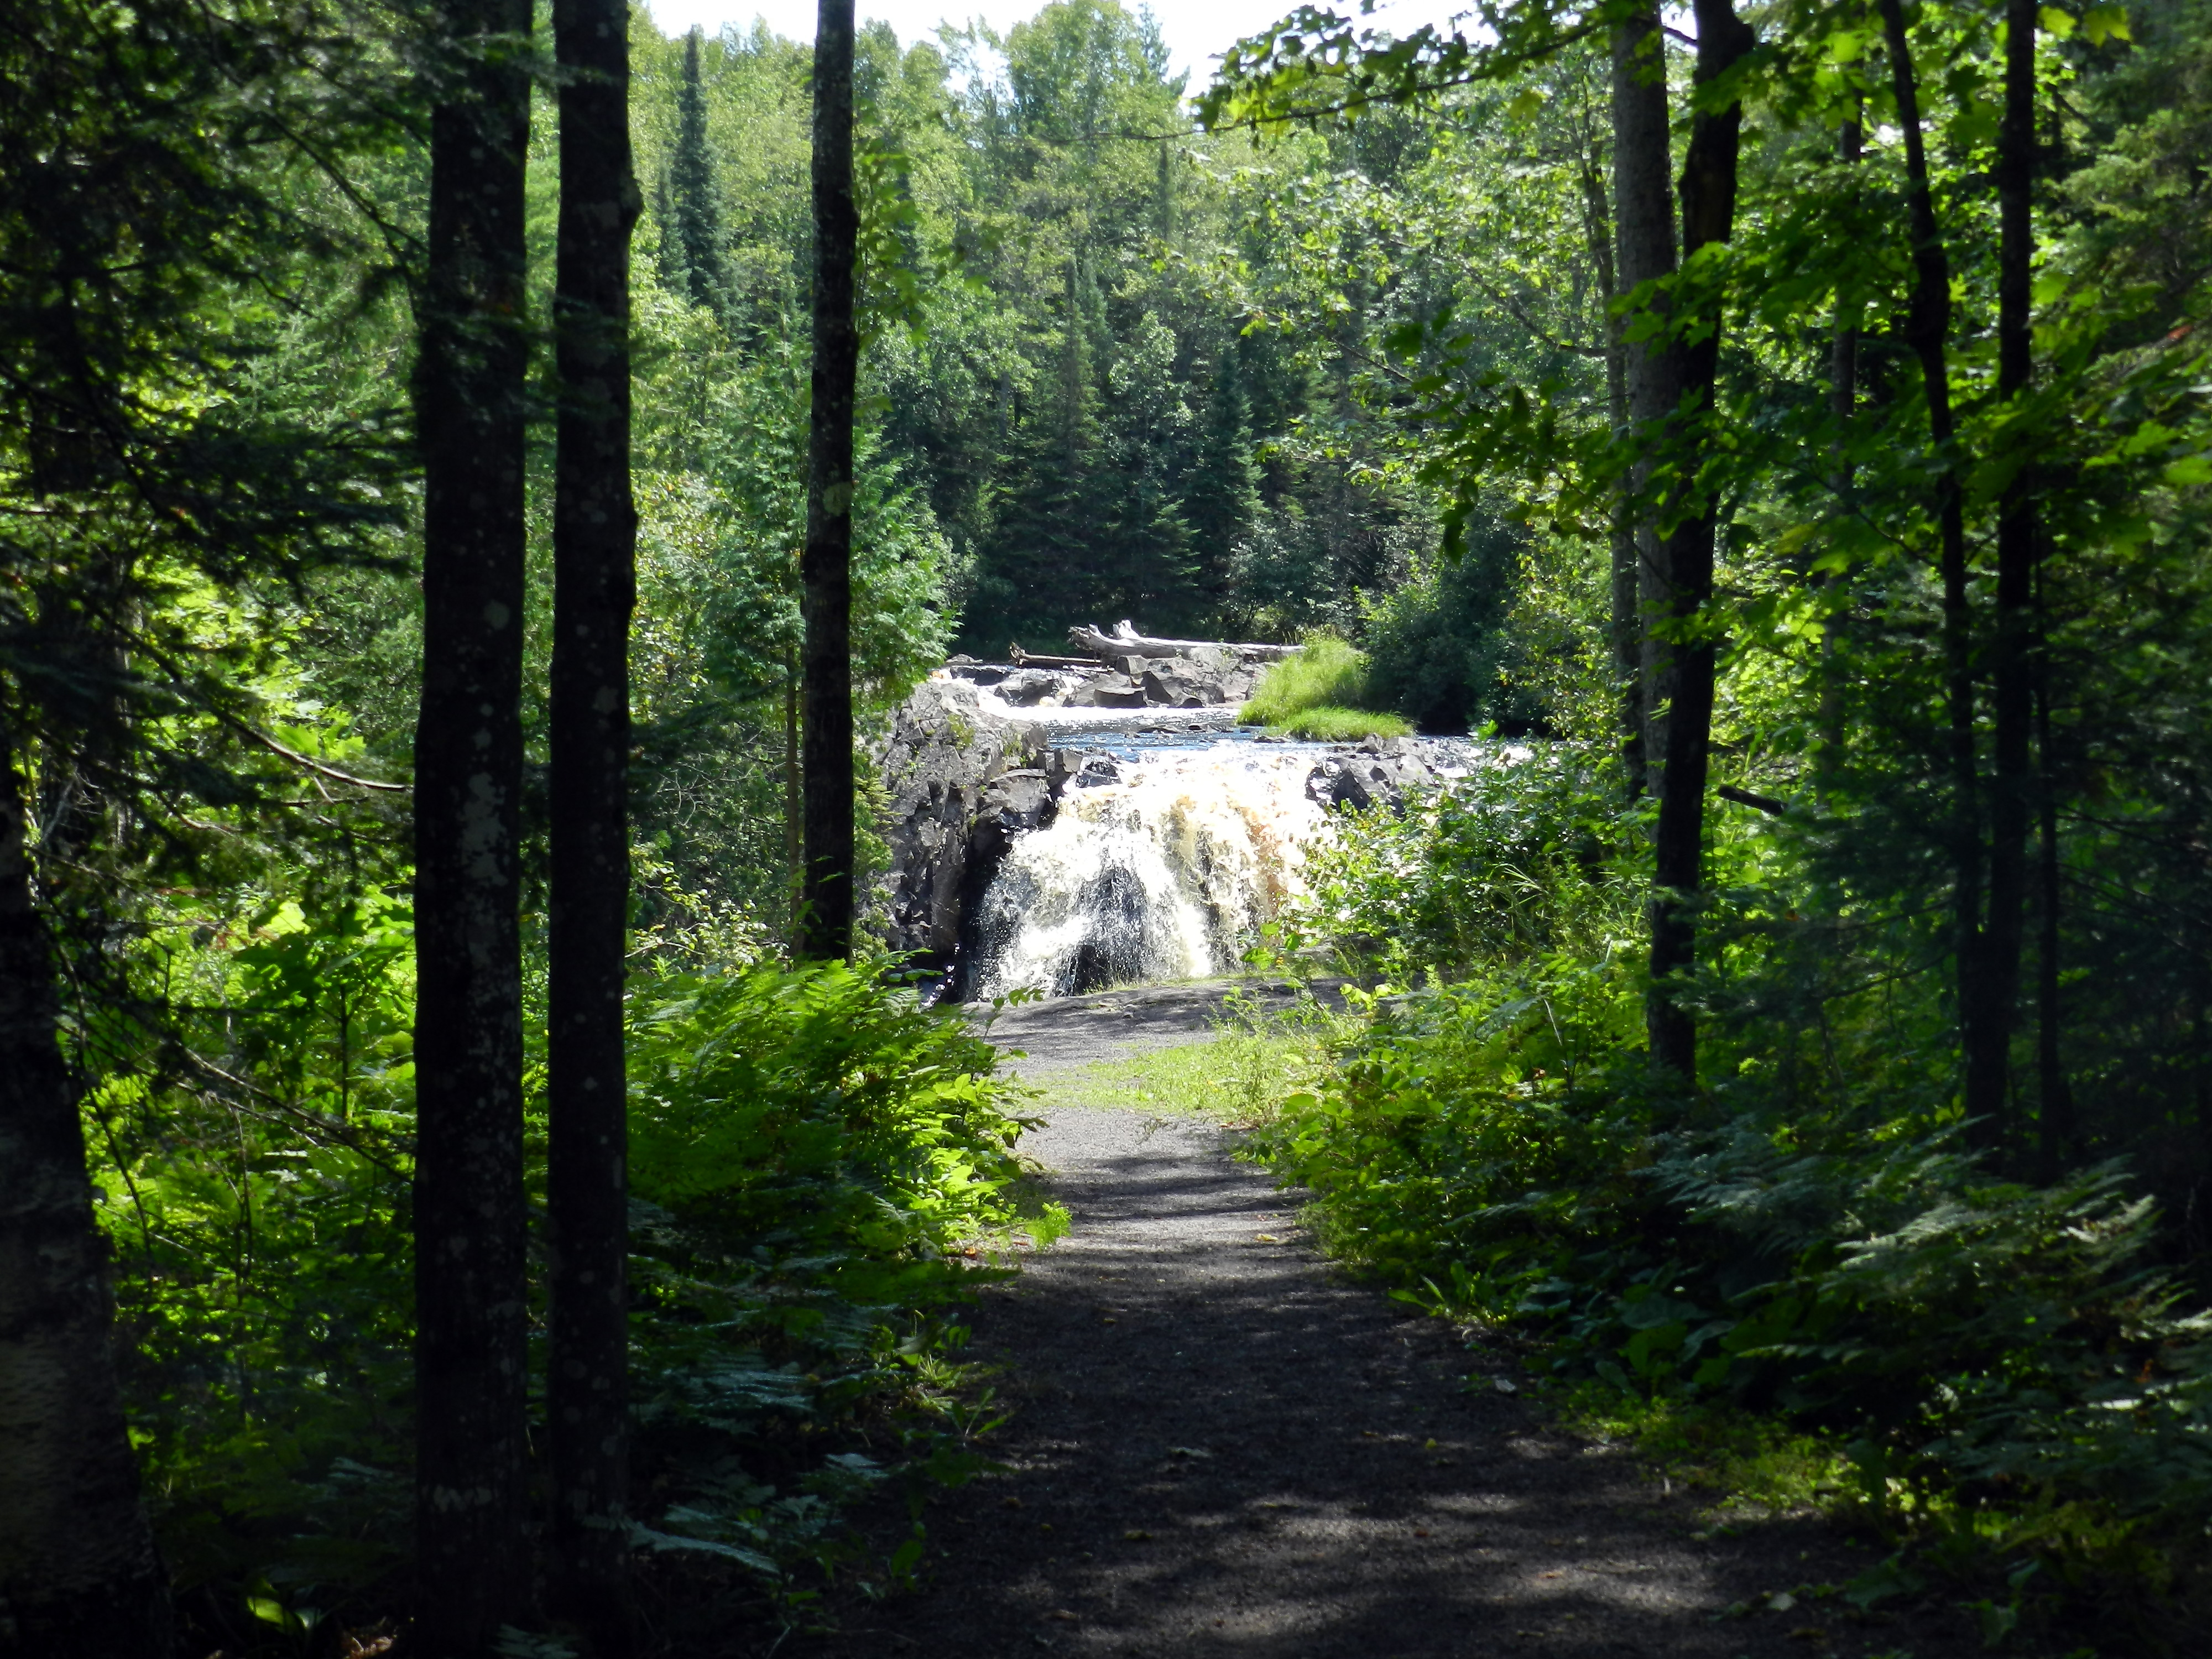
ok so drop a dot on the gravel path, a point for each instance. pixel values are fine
(1217, 1446)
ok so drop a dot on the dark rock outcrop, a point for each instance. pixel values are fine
(1380, 772)
(942, 757)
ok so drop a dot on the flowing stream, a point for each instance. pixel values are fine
(1164, 869)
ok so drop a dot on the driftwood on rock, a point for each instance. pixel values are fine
(1022, 659)
(1126, 641)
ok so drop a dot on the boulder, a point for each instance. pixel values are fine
(1108, 691)
(1380, 771)
(1015, 802)
(1024, 688)
(1179, 683)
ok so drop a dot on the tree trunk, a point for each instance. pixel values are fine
(826, 569)
(1928, 325)
(2054, 1093)
(79, 1578)
(1643, 222)
(794, 874)
(594, 589)
(472, 1453)
(2012, 692)
(1686, 680)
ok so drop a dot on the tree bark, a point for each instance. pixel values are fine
(1928, 325)
(1685, 679)
(1643, 222)
(79, 1577)
(826, 568)
(594, 590)
(2012, 695)
(471, 1453)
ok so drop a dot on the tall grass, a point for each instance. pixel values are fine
(1321, 692)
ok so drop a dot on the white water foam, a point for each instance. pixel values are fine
(1166, 874)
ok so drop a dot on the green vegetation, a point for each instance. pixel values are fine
(1320, 693)
(821, 1173)
(1237, 1078)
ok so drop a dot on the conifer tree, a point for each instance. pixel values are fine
(693, 261)
(1221, 495)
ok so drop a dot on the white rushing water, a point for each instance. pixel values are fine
(1166, 873)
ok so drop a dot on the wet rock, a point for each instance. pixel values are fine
(1024, 688)
(1108, 691)
(937, 761)
(1013, 803)
(1380, 771)
(1179, 683)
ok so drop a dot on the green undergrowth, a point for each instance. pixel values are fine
(1321, 693)
(822, 1172)
(1797, 1286)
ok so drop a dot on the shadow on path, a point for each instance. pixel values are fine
(1219, 1447)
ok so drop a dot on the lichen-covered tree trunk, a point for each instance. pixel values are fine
(79, 1578)
(594, 591)
(826, 568)
(471, 1450)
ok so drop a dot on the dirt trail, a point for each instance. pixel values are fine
(1218, 1446)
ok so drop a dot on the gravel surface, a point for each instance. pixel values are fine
(1218, 1446)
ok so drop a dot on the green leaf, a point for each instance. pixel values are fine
(2190, 469)
(2101, 23)
(2056, 23)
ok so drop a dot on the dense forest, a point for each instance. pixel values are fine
(476, 478)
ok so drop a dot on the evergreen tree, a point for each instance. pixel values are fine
(691, 240)
(1221, 493)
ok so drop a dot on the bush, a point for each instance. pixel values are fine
(1807, 1242)
(1321, 692)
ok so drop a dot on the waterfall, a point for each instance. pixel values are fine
(1164, 872)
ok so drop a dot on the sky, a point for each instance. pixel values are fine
(1197, 31)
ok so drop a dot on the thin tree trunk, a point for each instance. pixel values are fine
(826, 568)
(471, 1453)
(1928, 325)
(594, 590)
(1643, 222)
(79, 1578)
(2011, 694)
(794, 874)
(1708, 192)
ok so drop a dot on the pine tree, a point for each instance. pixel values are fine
(1221, 493)
(693, 240)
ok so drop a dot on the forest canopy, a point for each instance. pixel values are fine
(1781, 433)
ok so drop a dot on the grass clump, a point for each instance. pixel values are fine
(1321, 693)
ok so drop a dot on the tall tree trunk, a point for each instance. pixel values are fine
(594, 589)
(79, 1578)
(472, 1453)
(794, 872)
(826, 569)
(1928, 325)
(1643, 222)
(2012, 693)
(1685, 679)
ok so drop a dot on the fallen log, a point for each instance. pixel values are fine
(1126, 641)
(1031, 659)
